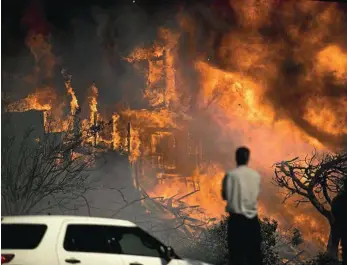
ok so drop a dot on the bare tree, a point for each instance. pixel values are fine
(316, 180)
(50, 170)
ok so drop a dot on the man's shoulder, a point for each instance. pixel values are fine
(231, 174)
(239, 171)
(245, 169)
(254, 172)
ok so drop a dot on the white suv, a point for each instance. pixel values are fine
(61, 240)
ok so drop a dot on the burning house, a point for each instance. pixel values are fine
(153, 141)
(208, 87)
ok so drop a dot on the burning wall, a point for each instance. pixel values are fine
(213, 84)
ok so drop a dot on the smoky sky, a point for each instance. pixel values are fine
(90, 38)
(59, 15)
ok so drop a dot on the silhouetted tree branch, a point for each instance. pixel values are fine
(128, 203)
(50, 168)
(315, 179)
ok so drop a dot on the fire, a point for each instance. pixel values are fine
(241, 105)
(42, 99)
(39, 100)
(250, 86)
(116, 138)
(334, 60)
(74, 102)
(238, 103)
(94, 111)
(134, 144)
(330, 117)
(161, 88)
(206, 182)
(93, 104)
(233, 91)
(161, 118)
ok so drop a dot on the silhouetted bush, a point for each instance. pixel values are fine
(323, 259)
(213, 247)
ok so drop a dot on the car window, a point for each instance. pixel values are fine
(135, 241)
(112, 239)
(86, 238)
(22, 236)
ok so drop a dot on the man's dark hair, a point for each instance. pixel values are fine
(242, 155)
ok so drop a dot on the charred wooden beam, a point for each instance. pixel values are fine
(129, 137)
(187, 195)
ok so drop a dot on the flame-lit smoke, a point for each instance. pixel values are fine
(42, 51)
(38, 41)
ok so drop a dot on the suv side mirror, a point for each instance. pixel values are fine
(170, 253)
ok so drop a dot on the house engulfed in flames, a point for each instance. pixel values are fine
(160, 150)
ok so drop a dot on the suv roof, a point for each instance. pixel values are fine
(47, 219)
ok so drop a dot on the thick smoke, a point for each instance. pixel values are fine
(277, 45)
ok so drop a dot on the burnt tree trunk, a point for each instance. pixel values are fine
(334, 239)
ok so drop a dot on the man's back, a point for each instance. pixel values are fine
(339, 210)
(242, 187)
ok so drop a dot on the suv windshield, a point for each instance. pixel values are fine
(21, 236)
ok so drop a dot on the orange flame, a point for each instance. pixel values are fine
(74, 102)
(116, 139)
(93, 104)
(334, 60)
(34, 101)
(134, 144)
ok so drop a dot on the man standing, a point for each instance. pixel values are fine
(339, 210)
(240, 189)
